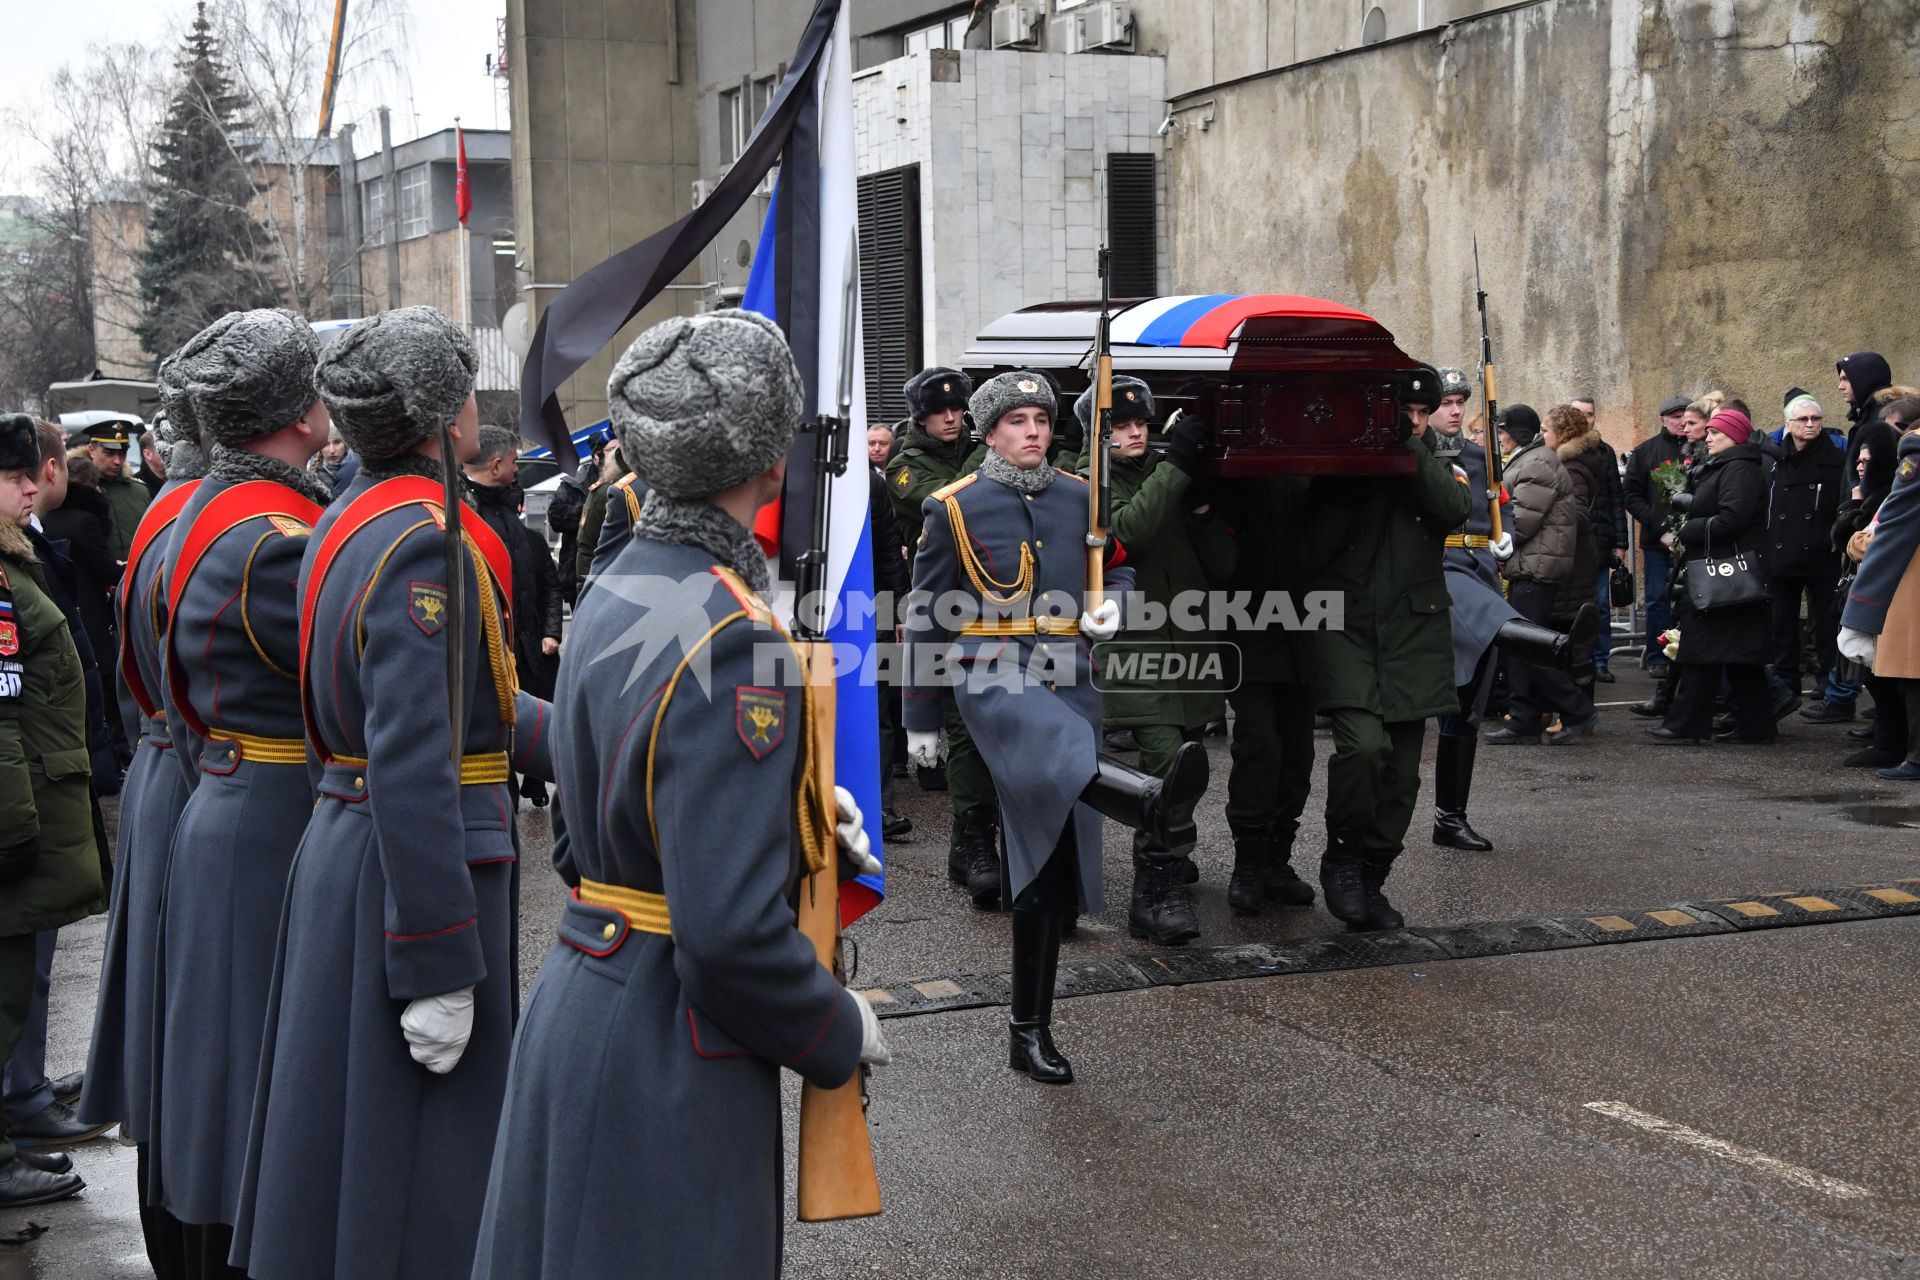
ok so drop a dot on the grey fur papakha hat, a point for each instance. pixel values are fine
(246, 375)
(393, 379)
(177, 405)
(998, 397)
(705, 403)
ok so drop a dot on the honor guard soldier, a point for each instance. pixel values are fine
(119, 1080)
(1008, 546)
(391, 1009)
(108, 444)
(1481, 617)
(625, 497)
(1378, 542)
(50, 862)
(680, 983)
(934, 451)
(231, 664)
(1173, 547)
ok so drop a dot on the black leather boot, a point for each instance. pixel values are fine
(1160, 910)
(1284, 884)
(1161, 807)
(1341, 879)
(958, 855)
(1374, 869)
(1036, 962)
(1253, 848)
(1452, 780)
(1537, 646)
(1655, 707)
(979, 833)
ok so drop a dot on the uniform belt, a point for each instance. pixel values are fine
(1477, 541)
(645, 911)
(263, 750)
(1022, 627)
(485, 769)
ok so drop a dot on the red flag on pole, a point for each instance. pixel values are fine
(462, 192)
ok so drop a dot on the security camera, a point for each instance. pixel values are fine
(1166, 126)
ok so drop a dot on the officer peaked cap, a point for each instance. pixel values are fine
(931, 390)
(1132, 402)
(115, 434)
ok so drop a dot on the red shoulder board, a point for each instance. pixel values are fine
(158, 519)
(390, 495)
(227, 511)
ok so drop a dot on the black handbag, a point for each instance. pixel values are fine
(1620, 586)
(1722, 582)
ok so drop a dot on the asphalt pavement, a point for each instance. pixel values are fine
(1742, 1104)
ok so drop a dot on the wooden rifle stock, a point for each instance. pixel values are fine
(1096, 479)
(837, 1177)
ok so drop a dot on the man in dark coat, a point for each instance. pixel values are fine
(1007, 546)
(1806, 481)
(679, 984)
(107, 445)
(1386, 669)
(1880, 626)
(81, 518)
(1645, 502)
(493, 490)
(1861, 377)
(891, 582)
(50, 861)
(390, 1012)
(563, 517)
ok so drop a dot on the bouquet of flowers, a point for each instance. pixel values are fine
(1671, 477)
(1669, 642)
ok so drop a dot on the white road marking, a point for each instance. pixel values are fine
(1731, 1151)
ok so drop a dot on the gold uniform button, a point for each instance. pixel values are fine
(1038, 543)
(609, 931)
(359, 784)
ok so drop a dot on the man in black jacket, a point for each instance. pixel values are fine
(1806, 479)
(493, 477)
(1860, 376)
(890, 586)
(1608, 520)
(1643, 500)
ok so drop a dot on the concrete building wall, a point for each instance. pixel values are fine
(1668, 196)
(605, 148)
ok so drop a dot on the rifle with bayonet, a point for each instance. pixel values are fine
(1489, 395)
(1099, 480)
(837, 1178)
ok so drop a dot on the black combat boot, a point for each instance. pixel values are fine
(978, 834)
(1655, 707)
(1341, 879)
(1036, 961)
(1537, 646)
(1374, 869)
(1161, 807)
(958, 855)
(1284, 884)
(1160, 910)
(1452, 780)
(1252, 852)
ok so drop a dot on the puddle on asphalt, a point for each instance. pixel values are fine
(1884, 815)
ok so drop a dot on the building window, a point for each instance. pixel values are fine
(1132, 209)
(948, 33)
(889, 213)
(416, 203)
(1374, 29)
(762, 98)
(733, 125)
(373, 210)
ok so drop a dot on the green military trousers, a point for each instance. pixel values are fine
(1272, 755)
(1373, 779)
(969, 785)
(16, 998)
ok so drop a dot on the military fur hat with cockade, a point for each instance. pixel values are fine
(931, 390)
(998, 397)
(395, 379)
(246, 375)
(1132, 402)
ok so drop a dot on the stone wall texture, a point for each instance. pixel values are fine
(1669, 194)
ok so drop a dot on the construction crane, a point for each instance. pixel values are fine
(332, 80)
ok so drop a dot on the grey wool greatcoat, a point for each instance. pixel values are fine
(641, 1135)
(1029, 701)
(120, 1058)
(231, 660)
(362, 1164)
(1478, 610)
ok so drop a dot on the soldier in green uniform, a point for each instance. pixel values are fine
(935, 450)
(1379, 542)
(50, 872)
(1175, 546)
(108, 444)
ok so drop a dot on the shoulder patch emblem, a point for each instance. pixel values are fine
(9, 637)
(760, 718)
(427, 606)
(903, 479)
(1907, 467)
(289, 527)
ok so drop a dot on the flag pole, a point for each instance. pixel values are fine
(466, 242)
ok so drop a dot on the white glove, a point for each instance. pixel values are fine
(438, 1028)
(851, 832)
(1857, 645)
(1102, 623)
(926, 749)
(873, 1046)
(1502, 547)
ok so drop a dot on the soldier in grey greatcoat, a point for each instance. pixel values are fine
(119, 1076)
(1007, 547)
(392, 1006)
(231, 657)
(625, 497)
(1480, 615)
(680, 983)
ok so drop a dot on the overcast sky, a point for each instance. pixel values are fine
(444, 61)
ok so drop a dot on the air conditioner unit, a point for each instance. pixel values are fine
(702, 188)
(1063, 34)
(1016, 26)
(1106, 24)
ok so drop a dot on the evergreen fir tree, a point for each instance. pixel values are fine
(205, 250)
